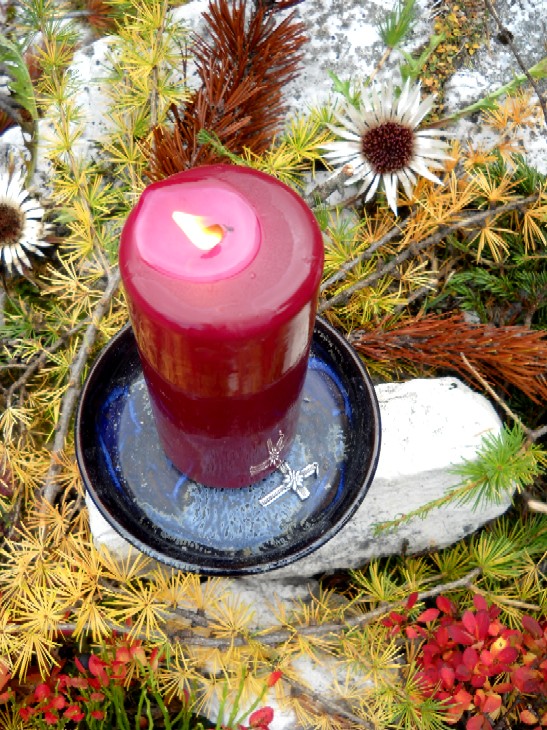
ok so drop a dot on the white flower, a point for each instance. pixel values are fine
(380, 141)
(21, 224)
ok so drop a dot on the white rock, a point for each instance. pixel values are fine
(428, 427)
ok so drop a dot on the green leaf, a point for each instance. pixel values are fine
(21, 84)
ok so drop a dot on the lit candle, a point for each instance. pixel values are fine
(221, 267)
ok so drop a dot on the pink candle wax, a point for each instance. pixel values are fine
(221, 267)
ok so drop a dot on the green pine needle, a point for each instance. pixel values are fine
(397, 23)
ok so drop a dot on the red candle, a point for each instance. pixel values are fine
(221, 267)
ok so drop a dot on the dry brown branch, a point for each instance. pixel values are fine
(504, 356)
(243, 66)
(471, 220)
(68, 404)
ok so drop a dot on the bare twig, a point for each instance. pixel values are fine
(516, 54)
(415, 295)
(364, 256)
(538, 433)
(68, 404)
(281, 636)
(471, 220)
(327, 705)
(40, 360)
(321, 192)
(537, 506)
(502, 404)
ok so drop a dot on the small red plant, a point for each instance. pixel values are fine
(97, 692)
(259, 720)
(480, 669)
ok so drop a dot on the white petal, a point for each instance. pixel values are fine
(433, 154)
(422, 170)
(372, 188)
(344, 132)
(390, 186)
(31, 206)
(346, 147)
(7, 256)
(356, 118)
(21, 255)
(421, 111)
(33, 247)
(406, 182)
(15, 187)
(435, 133)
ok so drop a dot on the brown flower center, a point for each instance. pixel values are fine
(12, 223)
(388, 147)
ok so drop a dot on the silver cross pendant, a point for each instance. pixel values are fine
(293, 481)
(293, 478)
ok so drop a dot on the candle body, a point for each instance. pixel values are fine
(223, 336)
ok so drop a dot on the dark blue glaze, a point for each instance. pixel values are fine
(227, 531)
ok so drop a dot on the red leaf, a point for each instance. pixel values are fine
(261, 717)
(470, 658)
(274, 677)
(527, 717)
(441, 636)
(491, 704)
(502, 687)
(414, 632)
(445, 605)
(411, 601)
(430, 614)
(57, 703)
(459, 635)
(475, 723)
(73, 712)
(532, 626)
(507, 656)
(463, 673)
(525, 679)
(41, 692)
(482, 620)
(478, 680)
(463, 698)
(448, 677)
(469, 622)
(480, 602)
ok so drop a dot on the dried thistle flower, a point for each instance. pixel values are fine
(21, 224)
(380, 141)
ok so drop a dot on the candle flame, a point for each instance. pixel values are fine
(193, 226)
